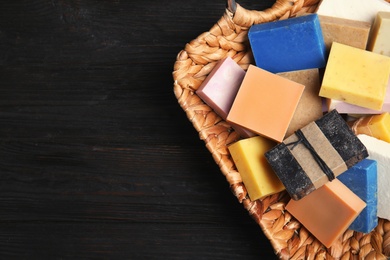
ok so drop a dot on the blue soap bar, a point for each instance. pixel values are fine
(361, 179)
(288, 45)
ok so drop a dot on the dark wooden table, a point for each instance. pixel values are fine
(97, 159)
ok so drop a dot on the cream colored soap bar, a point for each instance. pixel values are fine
(356, 76)
(257, 175)
(377, 126)
(265, 103)
(349, 32)
(327, 212)
(380, 36)
(361, 10)
(310, 105)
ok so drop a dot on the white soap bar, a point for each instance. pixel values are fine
(360, 10)
(379, 151)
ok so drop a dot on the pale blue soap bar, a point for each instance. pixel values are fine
(362, 180)
(288, 45)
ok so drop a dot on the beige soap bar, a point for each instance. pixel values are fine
(349, 32)
(310, 105)
(379, 41)
(328, 211)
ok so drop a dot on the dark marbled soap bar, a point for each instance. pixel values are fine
(292, 174)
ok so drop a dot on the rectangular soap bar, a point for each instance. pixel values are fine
(356, 76)
(361, 179)
(288, 45)
(379, 151)
(265, 103)
(327, 212)
(220, 88)
(257, 175)
(310, 105)
(346, 108)
(377, 126)
(380, 34)
(349, 32)
(300, 161)
(361, 10)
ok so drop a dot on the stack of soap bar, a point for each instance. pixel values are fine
(380, 36)
(265, 103)
(220, 88)
(257, 176)
(310, 105)
(288, 45)
(378, 150)
(377, 126)
(361, 10)
(346, 108)
(299, 161)
(349, 32)
(356, 76)
(361, 179)
(327, 212)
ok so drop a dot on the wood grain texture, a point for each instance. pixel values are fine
(97, 159)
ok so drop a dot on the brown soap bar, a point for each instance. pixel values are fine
(316, 154)
(310, 105)
(345, 31)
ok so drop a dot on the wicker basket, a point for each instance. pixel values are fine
(228, 37)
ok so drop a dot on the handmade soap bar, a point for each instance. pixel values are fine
(378, 150)
(345, 108)
(257, 175)
(361, 10)
(356, 76)
(380, 35)
(328, 212)
(288, 45)
(349, 32)
(361, 179)
(220, 88)
(310, 105)
(315, 155)
(377, 126)
(265, 103)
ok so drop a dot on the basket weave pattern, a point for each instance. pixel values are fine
(228, 37)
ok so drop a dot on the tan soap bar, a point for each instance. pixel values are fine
(256, 173)
(350, 32)
(328, 211)
(379, 41)
(310, 105)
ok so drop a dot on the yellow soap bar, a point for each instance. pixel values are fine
(265, 103)
(328, 211)
(356, 76)
(377, 126)
(379, 41)
(349, 32)
(257, 175)
(310, 105)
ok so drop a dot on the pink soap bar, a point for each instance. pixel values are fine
(346, 108)
(220, 88)
(328, 211)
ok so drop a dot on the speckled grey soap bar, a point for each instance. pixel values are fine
(334, 143)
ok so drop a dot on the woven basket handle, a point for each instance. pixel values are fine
(281, 9)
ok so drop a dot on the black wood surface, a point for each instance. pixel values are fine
(97, 159)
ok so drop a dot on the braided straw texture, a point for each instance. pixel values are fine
(228, 37)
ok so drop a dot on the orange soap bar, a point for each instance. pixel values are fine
(377, 126)
(265, 103)
(310, 105)
(328, 211)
